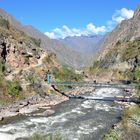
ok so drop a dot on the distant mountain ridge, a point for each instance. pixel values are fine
(84, 44)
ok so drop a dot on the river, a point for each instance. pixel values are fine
(75, 119)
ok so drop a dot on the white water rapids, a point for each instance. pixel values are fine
(75, 119)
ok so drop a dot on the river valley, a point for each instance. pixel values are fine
(75, 119)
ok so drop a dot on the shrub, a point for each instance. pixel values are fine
(133, 75)
(66, 74)
(30, 78)
(37, 42)
(2, 67)
(4, 23)
(13, 88)
(131, 51)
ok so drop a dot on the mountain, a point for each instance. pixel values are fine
(84, 44)
(127, 30)
(25, 65)
(65, 55)
(120, 51)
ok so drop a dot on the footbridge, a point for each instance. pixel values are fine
(90, 84)
(94, 84)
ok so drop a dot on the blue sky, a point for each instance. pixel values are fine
(60, 18)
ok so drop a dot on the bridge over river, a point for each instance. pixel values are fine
(95, 85)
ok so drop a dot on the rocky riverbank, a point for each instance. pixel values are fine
(129, 126)
(30, 105)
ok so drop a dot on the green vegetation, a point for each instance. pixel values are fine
(138, 89)
(96, 67)
(37, 42)
(131, 50)
(2, 67)
(8, 88)
(126, 129)
(4, 23)
(30, 78)
(50, 58)
(110, 136)
(132, 75)
(66, 74)
(13, 88)
(26, 60)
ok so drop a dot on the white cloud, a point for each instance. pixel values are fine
(90, 28)
(122, 14)
(50, 34)
(65, 31)
(96, 30)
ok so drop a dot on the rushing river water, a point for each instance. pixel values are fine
(75, 119)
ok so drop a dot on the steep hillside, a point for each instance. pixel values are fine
(120, 58)
(66, 55)
(84, 44)
(20, 54)
(24, 65)
(127, 30)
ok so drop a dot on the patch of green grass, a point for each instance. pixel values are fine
(8, 88)
(110, 136)
(13, 89)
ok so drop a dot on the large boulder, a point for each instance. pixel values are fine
(48, 112)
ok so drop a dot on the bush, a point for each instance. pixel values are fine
(2, 67)
(133, 75)
(131, 51)
(30, 78)
(37, 42)
(13, 88)
(4, 23)
(66, 74)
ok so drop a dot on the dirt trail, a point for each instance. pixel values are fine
(12, 75)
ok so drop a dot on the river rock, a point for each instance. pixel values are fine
(27, 110)
(1, 118)
(48, 112)
(14, 110)
(23, 103)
